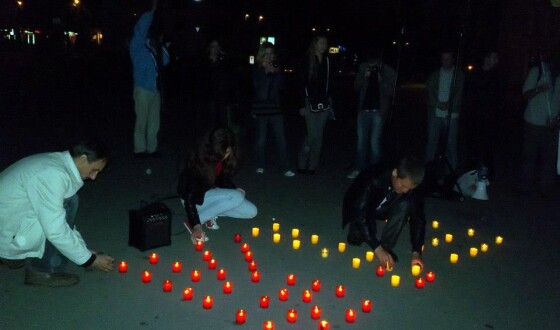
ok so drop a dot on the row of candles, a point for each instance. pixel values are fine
(470, 233)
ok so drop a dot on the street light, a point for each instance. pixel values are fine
(19, 4)
(261, 17)
(76, 3)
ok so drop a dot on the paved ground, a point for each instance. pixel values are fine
(512, 286)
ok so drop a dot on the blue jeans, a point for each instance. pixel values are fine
(276, 123)
(368, 128)
(226, 203)
(52, 260)
(436, 128)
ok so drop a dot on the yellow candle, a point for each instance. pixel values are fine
(295, 233)
(341, 247)
(435, 224)
(395, 280)
(499, 240)
(314, 239)
(356, 262)
(324, 252)
(435, 241)
(470, 232)
(255, 231)
(448, 238)
(484, 247)
(453, 257)
(415, 270)
(473, 252)
(295, 244)
(370, 255)
(275, 227)
(276, 237)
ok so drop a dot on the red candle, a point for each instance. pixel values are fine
(380, 271)
(167, 286)
(264, 301)
(350, 316)
(123, 267)
(206, 255)
(221, 274)
(366, 306)
(340, 291)
(283, 294)
(146, 277)
(256, 276)
(212, 264)
(154, 258)
(316, 285)
(207, 302)
(430, 276)
(241, 316)
(315, 312)
(324, 325)
(268, 325)
(195, 276)
(419, 283)
(306, 296)
(291, 279)
(228, 287)
(187, 294)
(176, 267)
(253, 265)
(244, 247)
(248, 256)
(292, 316)
(198, 246)
(237, 238)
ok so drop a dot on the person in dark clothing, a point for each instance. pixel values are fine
(384, 192)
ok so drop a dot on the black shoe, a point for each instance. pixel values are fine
(154, 154)
(33, 277)
(13, 264)
(305, 171)
(140, 155)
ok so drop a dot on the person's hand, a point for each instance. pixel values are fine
(417, 260)
(103, 262)
(384, 257)
(302, 111)
(198, 234)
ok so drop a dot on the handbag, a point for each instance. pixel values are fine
(320, 105)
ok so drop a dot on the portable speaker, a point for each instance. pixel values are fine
(149, 226)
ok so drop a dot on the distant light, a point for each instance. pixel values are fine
(334, 50)
(470, 67)
(247, 16)
(76, 3)
(261, 17)
(328, 30)
(394, 42)
(252, 59)
(313, 29)
(197, 28)
(19, 3)
(406, 43)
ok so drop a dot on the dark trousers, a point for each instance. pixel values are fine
(540, 150)
(276, 123)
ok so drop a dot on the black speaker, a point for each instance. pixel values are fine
(149, 226)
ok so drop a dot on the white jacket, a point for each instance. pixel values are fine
(32, 192)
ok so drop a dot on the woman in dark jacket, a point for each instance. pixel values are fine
(205, 185)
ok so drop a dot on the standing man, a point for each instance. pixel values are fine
(38, 205)
(383, 192)
(445, 91)
(149, 55)
(375, 84)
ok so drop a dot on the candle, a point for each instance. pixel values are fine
(176, 267)
(256, 276)
(448, 238)
(419, 283)
(370, 255)
(146, 277)
(350, 316)
(324, 325)
(306, 296)
(435, 241)
(195, 276)
(248, 256)
(255, 231)
(296, 244)
(276, 238)
(275, 227)
(395, 280)
(380, 271)
(153, 258)
(341, 247)
(292, 316)
(340, 291)
(252, 266)
(356, 262)
(389, 267)
(206, 255)
(324, 252)
(499, 240)
(228, 287)
(315, 312)
(187, 294)
(291, 280)
(123, 267)
(314, 239)
(207, 302)
(283, 294)
(198, 246)
(366, 306)
(473, 251)
(470, 232)
(240, 316)
(244, 247)
(167, 286)
(435, 224)
(237, 238)
(316, 285)
(453, 258)
(264, 301)
(484, 247)
(268, 325)
(221, 274)
(415, 270)
(212, 264)
(295, 233)
(430, 276)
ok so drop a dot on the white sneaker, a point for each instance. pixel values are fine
(212, 224)
(289, 173)
(260, 170)
(353, 174)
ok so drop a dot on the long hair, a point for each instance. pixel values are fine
(312, 59)
(210, 150)
(262, 51)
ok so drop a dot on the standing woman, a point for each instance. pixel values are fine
(268, 83)
(205, 185)
(318, 107)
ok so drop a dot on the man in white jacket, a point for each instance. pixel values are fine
(38, 205)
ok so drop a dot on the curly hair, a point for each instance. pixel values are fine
(210, 150)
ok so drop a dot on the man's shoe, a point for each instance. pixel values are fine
(50, 279)
(260, 170)
(140, 155)
(353, 174)
(13, 264)
(289, 174)
(154, 154)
